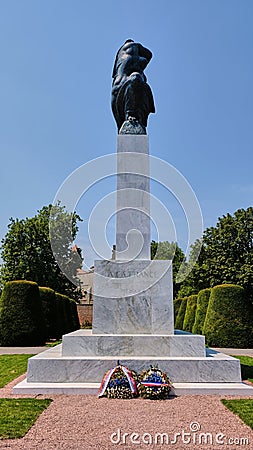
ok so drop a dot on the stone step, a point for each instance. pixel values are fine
(84, 343)
(56, 388)
(179, 389)
(50, 366)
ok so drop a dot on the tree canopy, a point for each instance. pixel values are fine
(226, 254)
(169, 250)
(27, 254)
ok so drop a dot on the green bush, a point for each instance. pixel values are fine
(67, 318)
(202, 304)
(180, 315)
(60, 323)
(67, 314)
(47, 296)
(177, 303)
(21, 317)
(229, 318)
(189, 317)
(74, 315)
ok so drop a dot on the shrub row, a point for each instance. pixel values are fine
(229, 317)
(223, 314)
(31, 315)
(181, 313)
(202, 304)
(60, 313)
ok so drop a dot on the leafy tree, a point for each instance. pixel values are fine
(169, 250)
(226, 254)
(27, 253)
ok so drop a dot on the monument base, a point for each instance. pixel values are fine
(56, 372)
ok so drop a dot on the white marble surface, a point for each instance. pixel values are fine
(213, 389)
(133, 297)
(179, 389)
(52, 367)
(132, 143)
(56, 388)
(84, 343)
(133, 198)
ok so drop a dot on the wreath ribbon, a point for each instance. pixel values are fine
(154, 384)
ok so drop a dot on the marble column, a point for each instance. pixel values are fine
(133, 198)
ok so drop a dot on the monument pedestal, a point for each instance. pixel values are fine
(133, 297)
(133, 311)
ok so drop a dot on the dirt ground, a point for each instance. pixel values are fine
(83, 422)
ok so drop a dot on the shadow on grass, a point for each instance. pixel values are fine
(247, 372)
(246, 367)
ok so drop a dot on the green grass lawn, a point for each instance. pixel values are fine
(18, 415)
(242, 408)
(11, 366)
(246, 367)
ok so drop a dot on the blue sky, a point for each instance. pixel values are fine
(55, 83)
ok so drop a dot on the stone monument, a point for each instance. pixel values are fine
(133, 296)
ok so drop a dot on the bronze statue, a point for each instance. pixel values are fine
(132, 99)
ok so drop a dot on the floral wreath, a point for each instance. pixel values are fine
(154, 384)
(120, 382)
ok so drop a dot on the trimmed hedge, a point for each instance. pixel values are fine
(61, 317)
(47, 296)
(202, 304)
(74, 314)
(66, 315)
(189, 317)
(229, 318)
(180, 315)
(21, 318)
(177, 303)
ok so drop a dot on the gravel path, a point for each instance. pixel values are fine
(81, 422)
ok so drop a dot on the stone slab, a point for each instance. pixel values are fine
(133, 297)
(84, 343)
(179, 389)
(241, 389)
(51, 367)
(56, 388)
